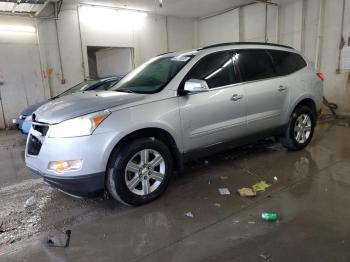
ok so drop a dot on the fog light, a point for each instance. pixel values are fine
(64, 166)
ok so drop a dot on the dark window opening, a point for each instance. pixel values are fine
(255, 65)
(217, 69)
(286, 62)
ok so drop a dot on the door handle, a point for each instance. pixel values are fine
(236, 97)
(282, 88)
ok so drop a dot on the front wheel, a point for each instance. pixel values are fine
(300, 129)
(139, 172)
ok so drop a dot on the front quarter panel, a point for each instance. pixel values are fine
(163, 114)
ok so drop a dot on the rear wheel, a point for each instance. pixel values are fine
(300, 129)
(139, 172)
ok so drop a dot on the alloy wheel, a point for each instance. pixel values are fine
(145, 172)
(302, 128)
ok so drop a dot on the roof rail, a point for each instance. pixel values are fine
(245, 43)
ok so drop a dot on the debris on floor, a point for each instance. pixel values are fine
(260, 186)
(246, 192)
(189, 214)
(252, 222)
(224, 191)
(269, 216)
(275, 179)
(265, 255)
(60, 240)
(223, 177)
(236, 221)
(217, 205)
(2, 227)
(206, 162)
(30, 202)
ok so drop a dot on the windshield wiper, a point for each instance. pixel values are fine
(124, 91)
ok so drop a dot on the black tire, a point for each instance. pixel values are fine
(116, 181)
(288, 139)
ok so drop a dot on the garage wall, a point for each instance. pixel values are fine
(242, 24)
(20, 69)
(181, 33)
(219, 29)
(303, 36)
(159, 34)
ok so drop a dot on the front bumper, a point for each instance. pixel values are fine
(90, 185)
(94, 150)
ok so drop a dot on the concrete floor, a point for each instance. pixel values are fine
(311, 198)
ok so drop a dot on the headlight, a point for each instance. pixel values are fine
(22, 117)
(80, 126)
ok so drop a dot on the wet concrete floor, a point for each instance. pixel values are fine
(311, 197)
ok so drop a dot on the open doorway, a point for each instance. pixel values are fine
(109, 61)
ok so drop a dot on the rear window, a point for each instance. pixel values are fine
(286, 62)
(255, 65)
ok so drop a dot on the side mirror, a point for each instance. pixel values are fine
(196, 86)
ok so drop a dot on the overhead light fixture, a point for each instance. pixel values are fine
(160, 3)
(17, 28)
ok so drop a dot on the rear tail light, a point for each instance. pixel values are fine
(320, 76)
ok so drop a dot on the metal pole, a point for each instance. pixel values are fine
(81, 43)
(266, 40)
(2, 110)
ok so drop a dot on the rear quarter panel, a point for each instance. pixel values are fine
(303, 84)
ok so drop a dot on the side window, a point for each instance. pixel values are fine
(217, 69)
(286, 62)
(255, 65)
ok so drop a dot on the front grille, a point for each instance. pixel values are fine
(41, 128)
(34, 146)
(36, 138)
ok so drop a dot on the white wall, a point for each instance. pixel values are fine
(219, 29)
(181, 33)
(20, 69)
(158, 34)
(337, 86)
(246, 24)
(290, 23)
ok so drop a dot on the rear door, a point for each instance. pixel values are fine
(266, 95)
(212, 117)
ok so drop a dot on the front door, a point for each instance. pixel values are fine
(216, 116)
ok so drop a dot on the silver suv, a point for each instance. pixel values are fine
(129, 140)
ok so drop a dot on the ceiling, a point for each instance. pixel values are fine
(21, 6)
(182, 8)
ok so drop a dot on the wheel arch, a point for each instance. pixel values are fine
(305, 101)
(158, 133)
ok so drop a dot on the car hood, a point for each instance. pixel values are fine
(30, 110)
(78, 104)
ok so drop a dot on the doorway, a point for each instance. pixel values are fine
(109, 61)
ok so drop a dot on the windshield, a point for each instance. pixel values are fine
(152, 76)
(79, 87)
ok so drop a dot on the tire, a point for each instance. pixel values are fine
(300, 129)
(139, 172)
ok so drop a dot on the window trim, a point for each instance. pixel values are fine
(237, 70)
